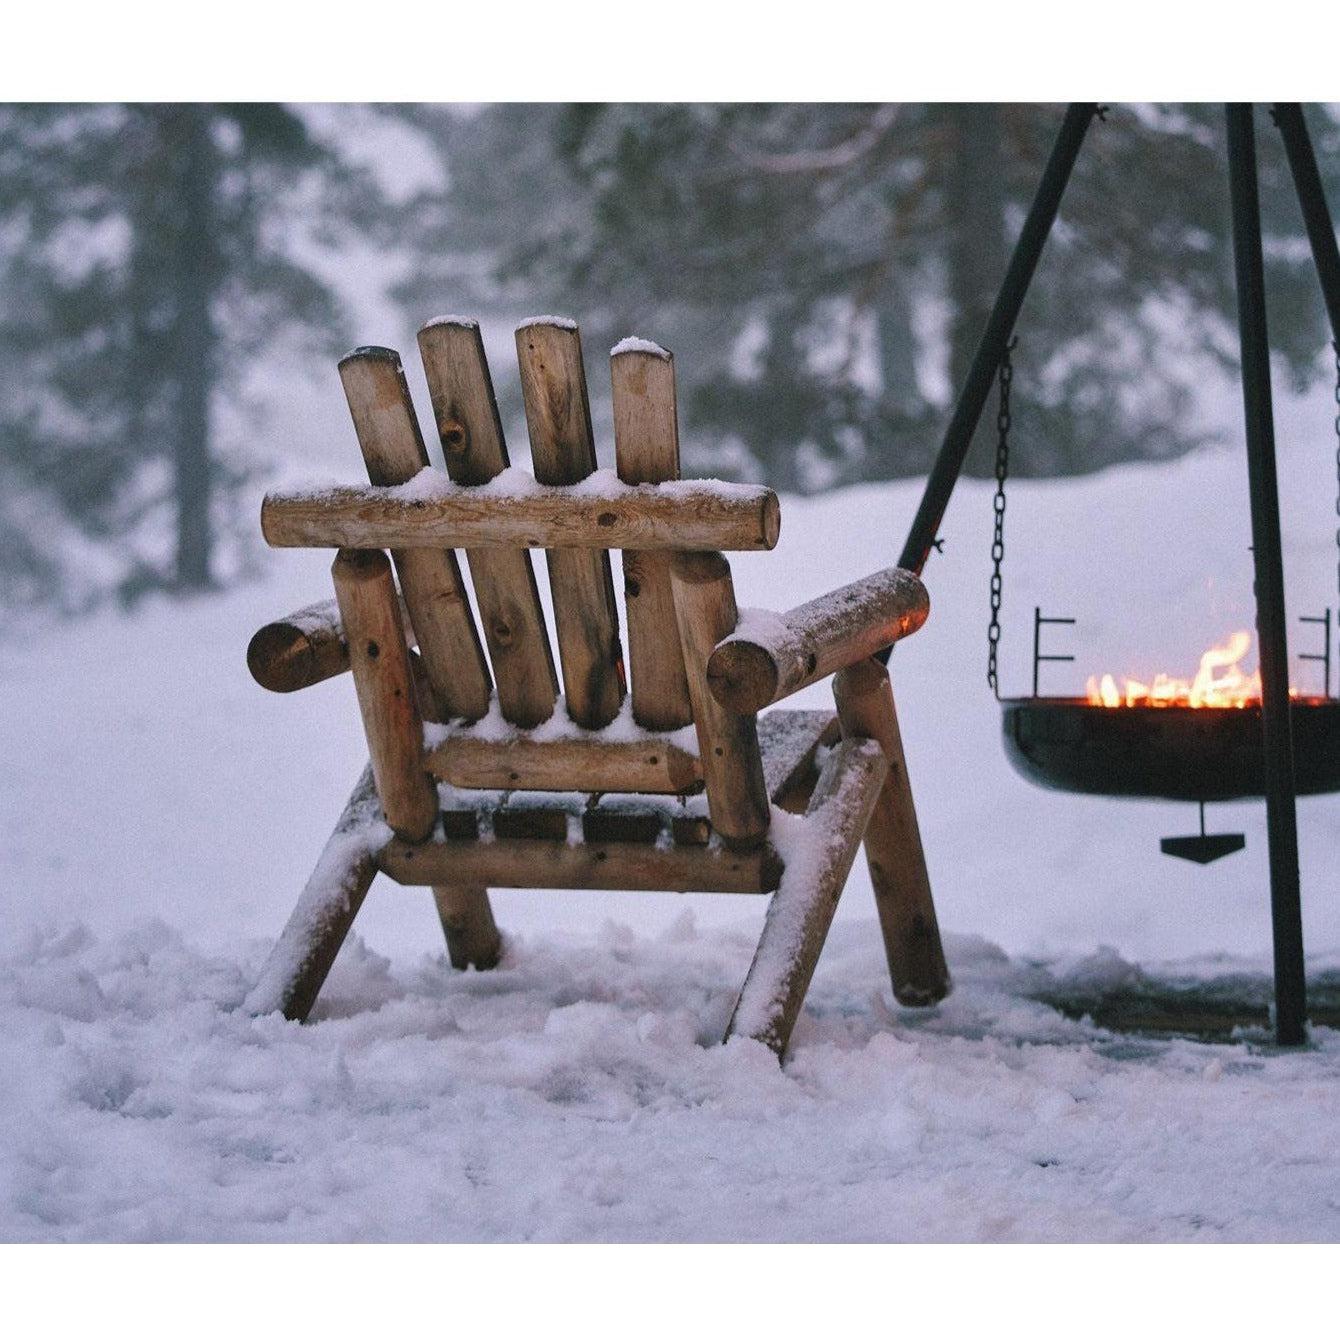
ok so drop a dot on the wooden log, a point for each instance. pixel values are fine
(774, 656)
(553, 385)
(802, 909)
(467, 920)
(648, 767)
(701, 515)
(475, 451)
(893, 847)
(705, 612)
(307, 947)
(380, 663)
(525, 863)
(305, 648)
(393, 449)
(646, 450)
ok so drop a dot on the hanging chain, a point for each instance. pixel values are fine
(1336, 347)
(998, 503)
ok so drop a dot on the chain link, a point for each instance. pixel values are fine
(998, 503)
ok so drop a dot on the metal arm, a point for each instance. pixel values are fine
(972, 399)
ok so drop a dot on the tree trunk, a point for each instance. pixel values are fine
(975, 206)
(193, 346)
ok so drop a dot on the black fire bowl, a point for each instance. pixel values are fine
(1172, 753)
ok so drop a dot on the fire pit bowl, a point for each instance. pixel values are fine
(1173, 753)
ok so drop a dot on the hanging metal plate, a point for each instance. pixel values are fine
(1203, 847)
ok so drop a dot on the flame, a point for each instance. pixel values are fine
(1220, 682)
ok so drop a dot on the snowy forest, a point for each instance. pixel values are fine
(821, 271)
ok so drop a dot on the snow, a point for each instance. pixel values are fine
(635, 344)
(623, 729)
(434, 485)
(469, 322)
(160, 814)
(562, 322)
(576, 1094)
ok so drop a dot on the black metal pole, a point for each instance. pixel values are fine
(1272, 633)
(972, 398)
(1312, 199)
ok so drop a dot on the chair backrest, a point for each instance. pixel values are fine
(668, 677)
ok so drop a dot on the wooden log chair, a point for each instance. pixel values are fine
(482, 779)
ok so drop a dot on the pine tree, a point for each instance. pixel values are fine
(805, 261)
(146, 257)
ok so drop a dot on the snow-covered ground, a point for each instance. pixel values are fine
(159, 813)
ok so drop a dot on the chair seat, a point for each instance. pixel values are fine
(611, 840)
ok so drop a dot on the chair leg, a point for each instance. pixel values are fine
(472, 934)
(802, 909)
(893, 844)
(296, 969)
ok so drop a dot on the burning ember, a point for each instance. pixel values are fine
(1220, 682)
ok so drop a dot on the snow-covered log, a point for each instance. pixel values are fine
(522, 863)
(303, 954)
(563, 450)
(646, 450)
(475, 451)
(771, 656)
(818, 850)
(600, 513)
(439, 608)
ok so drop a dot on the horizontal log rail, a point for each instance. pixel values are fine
(651, 766)
(606, 514)
(771, 656)
(524, 863)
(304, 648)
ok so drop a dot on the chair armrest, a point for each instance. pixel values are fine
(771, 656)
(303, 649)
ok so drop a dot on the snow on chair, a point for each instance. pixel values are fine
(480, 780)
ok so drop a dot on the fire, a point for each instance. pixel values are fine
(1220, 682)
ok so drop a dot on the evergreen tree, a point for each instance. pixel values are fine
(806, 261)
(145, 255)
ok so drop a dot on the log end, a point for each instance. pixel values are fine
(456, 322)
(269, 533)
(280, 658)
(370, 353)
(360, 565)
(771, 520)
(742, 676)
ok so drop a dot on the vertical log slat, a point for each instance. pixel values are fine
(558, 416)
(893, 847)
(379, 660)
(475, 450)
(388, 433)
(646, 447)
(705, 612)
